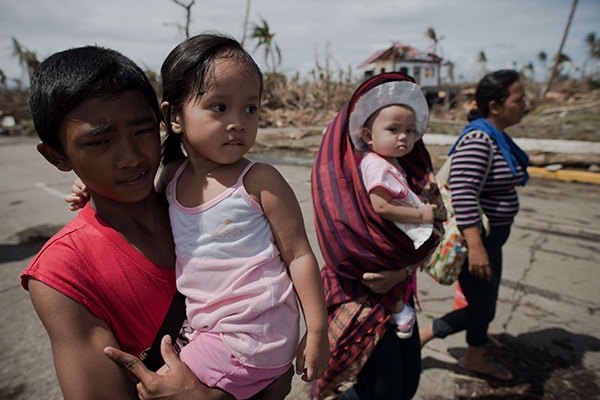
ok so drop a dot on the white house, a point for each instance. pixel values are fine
(425, 68)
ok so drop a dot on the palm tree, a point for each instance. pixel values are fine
(450, 69)
(2, 79)
(245, 26)
(557, 58)
(593, 45)
(542, 58)
(430, 33)
(27, 58)
(482, 59)
(562, 60)
(529, 70)
(262, 33)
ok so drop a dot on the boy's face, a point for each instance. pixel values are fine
(113, 145)
(392, 132)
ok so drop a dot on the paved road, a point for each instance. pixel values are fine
(549, 298)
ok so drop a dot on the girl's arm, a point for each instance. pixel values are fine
(283, 212)
(381, 200)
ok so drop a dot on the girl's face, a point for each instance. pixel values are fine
(392, 133)
(221, 124)
(512, 110)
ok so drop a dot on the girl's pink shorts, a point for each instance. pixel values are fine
(212, 362)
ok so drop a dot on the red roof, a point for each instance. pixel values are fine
(399, 51)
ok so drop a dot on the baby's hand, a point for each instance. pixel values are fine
(426, 211)
(312, 356)
(78, 197)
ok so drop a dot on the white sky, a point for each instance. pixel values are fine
(349, 30)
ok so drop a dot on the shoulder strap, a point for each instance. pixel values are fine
(443, 174)
(240, 180)
(170, 326)
(490, 161)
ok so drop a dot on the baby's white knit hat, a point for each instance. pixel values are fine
(386, 94)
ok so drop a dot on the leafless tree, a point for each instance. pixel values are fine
(188, 16)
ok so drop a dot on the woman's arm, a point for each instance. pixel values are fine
(283, 212)
(479, 263)
(383, 281)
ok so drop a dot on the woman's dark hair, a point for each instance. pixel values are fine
(67, 78)
(186, 73)
(493, 87)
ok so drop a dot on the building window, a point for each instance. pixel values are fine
(429, 72)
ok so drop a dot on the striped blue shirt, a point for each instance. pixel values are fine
(498, 198)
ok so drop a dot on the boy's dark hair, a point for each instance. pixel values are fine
(67, 78)
(186, 73)
(492, 87)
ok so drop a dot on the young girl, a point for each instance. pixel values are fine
(384, 125)
(242, 250)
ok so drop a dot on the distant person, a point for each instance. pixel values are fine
(500, 103)
(241, 246)
(108, 277)
(384, 126)
(369, 260)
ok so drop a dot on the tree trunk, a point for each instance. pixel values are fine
(245, 27)
(552, 76)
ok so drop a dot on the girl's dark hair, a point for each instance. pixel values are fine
(67, 78)
(186, 73)
(493, 87)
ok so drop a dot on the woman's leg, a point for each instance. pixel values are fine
(483, 313)
(481, 296)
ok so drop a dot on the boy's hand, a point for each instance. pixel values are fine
(174, 380)
(78, 197)
(312, 356)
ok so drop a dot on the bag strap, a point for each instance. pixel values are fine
(171, 326)
(490, 161)
(443, 174)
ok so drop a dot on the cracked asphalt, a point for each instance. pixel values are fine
(549, 296)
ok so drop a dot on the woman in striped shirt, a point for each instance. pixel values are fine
(500, 103)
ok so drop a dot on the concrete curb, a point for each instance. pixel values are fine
(541, 145)
(565, 175)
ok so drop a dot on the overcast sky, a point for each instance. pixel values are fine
(508, 31)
